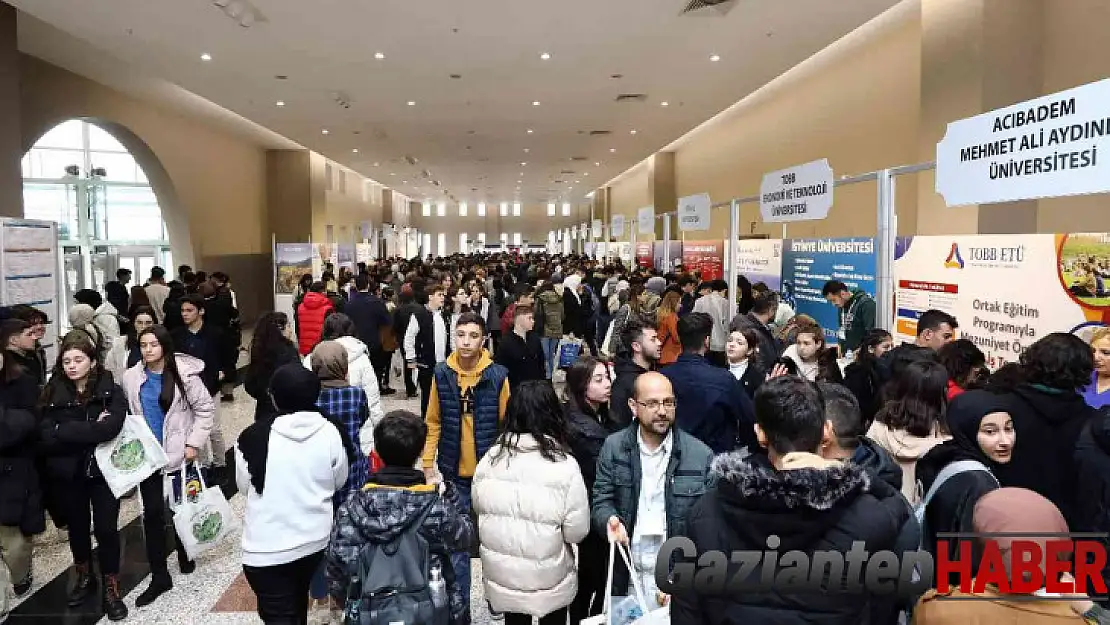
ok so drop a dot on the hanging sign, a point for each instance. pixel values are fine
(693, 212)
(596, 229)
(800, 193)
(645, 220)
(617, 229)
(1046, 147)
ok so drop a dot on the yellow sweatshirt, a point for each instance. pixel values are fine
(468, 460)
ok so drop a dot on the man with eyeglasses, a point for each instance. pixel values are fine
(648, 477)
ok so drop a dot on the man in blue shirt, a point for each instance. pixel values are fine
(712, 404)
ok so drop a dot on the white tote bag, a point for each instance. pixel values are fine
(131, 457)
(202, 522)
(617, 614)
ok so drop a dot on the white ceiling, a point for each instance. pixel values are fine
(468, 133)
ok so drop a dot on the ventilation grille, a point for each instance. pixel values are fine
(600, 133)
(567, 172)
(578, 159)
(633, 97)
(722, 6)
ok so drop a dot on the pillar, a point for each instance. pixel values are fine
(289, 195)
(662, 189)
(11, 144)
(976, 56)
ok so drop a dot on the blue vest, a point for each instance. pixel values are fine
(487, 402)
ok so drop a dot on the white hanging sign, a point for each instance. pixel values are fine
(1046, 147)
(645, 220)
(617, 228)
(799, 193)
(693, 212)
(597, 229)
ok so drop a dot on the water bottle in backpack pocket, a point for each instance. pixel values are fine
(396, 584)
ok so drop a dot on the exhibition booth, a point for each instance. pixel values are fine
(1007, 291)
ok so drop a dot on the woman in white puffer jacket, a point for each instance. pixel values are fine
(532, 507)
(360, 373)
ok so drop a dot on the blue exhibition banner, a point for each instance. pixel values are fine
(807, 264)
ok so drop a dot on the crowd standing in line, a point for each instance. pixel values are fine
(566, 405)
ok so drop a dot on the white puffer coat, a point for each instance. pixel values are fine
(530, 511)
(360, 373)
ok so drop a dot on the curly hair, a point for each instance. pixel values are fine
(1059, 360)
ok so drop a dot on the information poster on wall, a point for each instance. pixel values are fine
(620, 251)
(660, 261)
(364, 253)
(644, 254)
(760, 260)
(706, 257)
(645, 220)
(291, 261)
(1006, 291)
(807, 264)
(346, 255)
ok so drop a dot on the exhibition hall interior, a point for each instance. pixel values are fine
(938, 154)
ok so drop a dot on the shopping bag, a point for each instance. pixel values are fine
(569, 349)
(607, 344)
(204, 521)
(131, 457)
(632, 610)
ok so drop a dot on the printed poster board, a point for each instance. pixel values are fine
(807, 264)
(706, 257)
(1006, 291)
(760, 260)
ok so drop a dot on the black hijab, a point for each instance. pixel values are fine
(964, 415)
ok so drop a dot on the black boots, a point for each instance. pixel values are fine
(112, 602)
(160, 583)
(187, 566)
(82, 585)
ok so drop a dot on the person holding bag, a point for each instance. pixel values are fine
(167, 391)
(82, 407)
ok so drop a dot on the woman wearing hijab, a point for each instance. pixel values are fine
(304, 460)
(955, 474)
(1010, 511)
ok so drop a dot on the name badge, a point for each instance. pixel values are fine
(841, 334)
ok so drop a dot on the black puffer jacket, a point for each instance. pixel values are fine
(69, 432)
(387, 506)
(626, 372)
(1092, 460)
(809, 509)
(21, 502)
(1047, 423)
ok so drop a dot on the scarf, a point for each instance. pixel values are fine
(329, 363)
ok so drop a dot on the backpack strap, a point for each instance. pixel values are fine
(952, 470)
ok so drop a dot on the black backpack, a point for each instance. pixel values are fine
(390, 586)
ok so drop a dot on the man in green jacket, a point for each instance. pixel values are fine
(857, 313)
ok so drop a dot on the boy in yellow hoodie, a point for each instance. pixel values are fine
(466, 405)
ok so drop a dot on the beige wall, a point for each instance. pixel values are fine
(211, 185)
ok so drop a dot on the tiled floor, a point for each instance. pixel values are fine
(216, 593)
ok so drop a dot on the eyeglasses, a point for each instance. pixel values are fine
(655, 404)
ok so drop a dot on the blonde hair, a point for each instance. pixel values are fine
(1099, 334)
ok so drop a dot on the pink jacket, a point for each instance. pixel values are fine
(187, 423)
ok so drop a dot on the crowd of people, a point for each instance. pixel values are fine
(567, 405)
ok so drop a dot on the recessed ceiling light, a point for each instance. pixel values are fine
(576, 182)
(632, 132)
(715, 58)
(379, 56)
(392, 174)
(355, 151)
(524, 164)
(529, 131)
(664, 104)
(377, 164)
(612, 149)
(411, 103)
(545, 56)
(206, 57)
(536, 103)
(324, 131)
(280, 103)
(585, 173)
(597, 164)
(526, 150)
